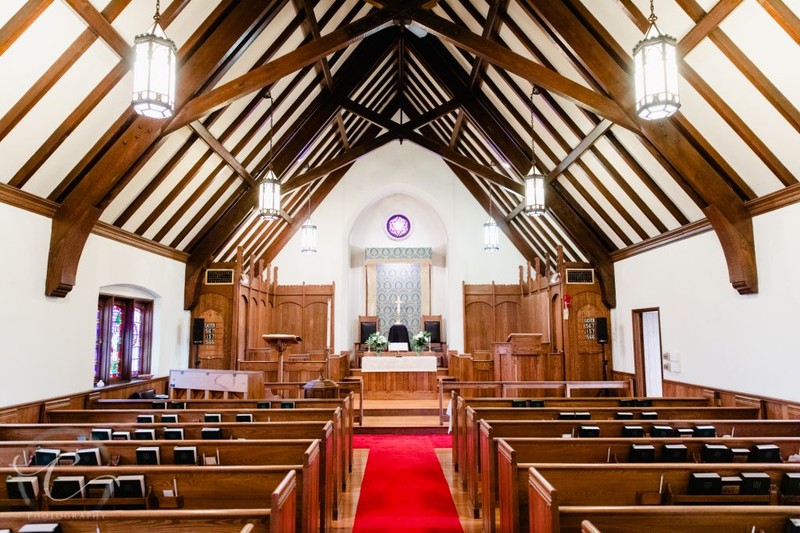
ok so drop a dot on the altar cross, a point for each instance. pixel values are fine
(398, 302)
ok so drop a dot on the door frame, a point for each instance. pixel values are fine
(639, 366)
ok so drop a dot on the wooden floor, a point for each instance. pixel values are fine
(400, 419)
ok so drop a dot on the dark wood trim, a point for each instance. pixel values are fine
(708, 23)
(784, 16)
(27, 201)
(217, 147)
(131, 239)
(101, 26)
(678, 234)
(22, 19)
(770, 202)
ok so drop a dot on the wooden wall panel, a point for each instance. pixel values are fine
(478, 326)
(217, 308)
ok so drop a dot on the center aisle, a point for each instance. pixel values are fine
(404, 488)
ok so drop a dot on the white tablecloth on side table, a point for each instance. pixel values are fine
(392, 363)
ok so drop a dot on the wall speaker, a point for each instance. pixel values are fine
(198, 327)
(602, 330)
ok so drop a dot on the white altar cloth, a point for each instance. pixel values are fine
(403, 363)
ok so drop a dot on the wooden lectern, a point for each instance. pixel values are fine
(279, 342)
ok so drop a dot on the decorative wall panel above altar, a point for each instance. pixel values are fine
(398, 285)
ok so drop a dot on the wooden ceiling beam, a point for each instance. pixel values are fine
(21, 21)
(708, 23)
(489, 28)
(725, 209)
(102, 27)
(79, 211)
(218, 148)
(278, 68)
(784, 16)
(521, 66)
(369, 53)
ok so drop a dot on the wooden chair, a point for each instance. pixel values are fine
(433, 325)
(367, 325)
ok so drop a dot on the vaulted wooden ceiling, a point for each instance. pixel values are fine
(311, 86)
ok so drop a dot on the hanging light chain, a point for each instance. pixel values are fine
(534, 91)
(157, 16)
(271, 125)
(652, 18)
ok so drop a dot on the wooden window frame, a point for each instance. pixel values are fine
(106, 302)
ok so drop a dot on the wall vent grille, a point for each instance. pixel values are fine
(580, 276)
(219, 276)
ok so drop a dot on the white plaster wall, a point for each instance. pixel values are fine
(725, 340)
(47, 344)
(444, 216)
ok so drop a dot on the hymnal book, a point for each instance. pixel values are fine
(102, 488)
(566, 415)
(755, 483)
(644, 403)
(674, 453)
(589, 431)
(130, 486)
(649, 415)
(177, 405)
(287, 405)
(766, 453)
(41, 528)
(148, 455)
(632, 431)
(144, 434)
(145, 419)
(790, 484)
(173, 433)
(89, 456)
(169, 419)
(624, 415)
(740, 455)
(211, 433)
(66, 487)
(583, 415)
(705, 483)
(731, 485)
(22, 487)
(101, 434)
(212, 417)
(659, 432)
(121, 435)
(627, 403)
(184, 455)
(535, 403)
(792, 525)
(46, 456)
(244, 417)
(642, 453)
(716, 453)
(67, 459)
(262, 405)
(159, 405)
(705, 431)
(519, 403)
(685, 432)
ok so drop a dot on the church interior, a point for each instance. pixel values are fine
(371, 262)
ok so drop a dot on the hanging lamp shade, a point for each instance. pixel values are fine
(656, 73)
(308, 233)
(269, 197)
(491, 236)
(534, 192)
(154, 72)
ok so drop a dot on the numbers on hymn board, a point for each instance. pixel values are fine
(590, 328)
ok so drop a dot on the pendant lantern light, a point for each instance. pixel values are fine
(491, 233)
(308, 233)
(154, 72)
(269, 188)
(656, 73)
(534, 181)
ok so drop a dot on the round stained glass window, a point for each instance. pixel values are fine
(398, 226)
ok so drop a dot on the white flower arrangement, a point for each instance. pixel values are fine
(376, 341)
(420, 341)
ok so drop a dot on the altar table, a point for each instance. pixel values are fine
(394, 363)
(399, 377)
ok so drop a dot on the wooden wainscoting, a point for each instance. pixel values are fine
(772, 408)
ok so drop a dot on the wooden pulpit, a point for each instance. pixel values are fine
(516, 359)
(279, 342)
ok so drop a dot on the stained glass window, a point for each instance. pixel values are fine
(117, 336)
(136, 347)
(98, 341)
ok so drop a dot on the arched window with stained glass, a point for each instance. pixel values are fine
(123, 341)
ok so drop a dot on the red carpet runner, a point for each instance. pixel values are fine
(404, 488)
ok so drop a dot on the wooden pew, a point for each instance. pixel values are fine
(549, 487)
(198, 487)
(271, 520)
(686, 519)
(461, 403)
(343, 431)
(322, 430)
(514, 451)
(346, 403)
(469, 476)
